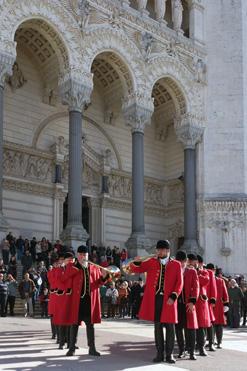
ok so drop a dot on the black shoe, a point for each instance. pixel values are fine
(211, 348)
(192, 357)
(53, 337)
(170, 359)
(70, 353)
(181, 354)
(159, 358)
(219, 346)
(203, 353)
(93, 352)
(60, 347)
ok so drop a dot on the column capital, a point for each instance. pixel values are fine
(6, 63)
(75, 89)
(189, 129)
(137, 111)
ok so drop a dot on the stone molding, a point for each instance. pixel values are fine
(137, 111)
(189, 130)
(6, 63)
(75, 89)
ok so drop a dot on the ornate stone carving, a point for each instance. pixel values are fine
(177, 14)
(189, 130)
(76, 88)
(137, 111)
(6, 62)
(28, 166)
(17, 79)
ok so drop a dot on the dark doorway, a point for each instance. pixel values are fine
(85, 213)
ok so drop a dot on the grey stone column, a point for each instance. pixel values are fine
(138, 226)
(137, 111)
(189, 131)
(76, 93)
(6, 62)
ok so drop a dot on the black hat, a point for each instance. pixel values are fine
(82, 249)
(218, 271)
(210, 266)
(68, 255)
(163, 244)
(200, 259)
(192, 257)
(181, 255)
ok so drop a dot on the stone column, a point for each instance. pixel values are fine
(189, 131)
(6, 62)
(137, 111)
(75, 91)
(142, 5)
(197, 21)
(160, 10)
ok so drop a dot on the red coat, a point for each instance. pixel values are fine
(211, 293)
(51, 275)
(76, 276)
(191, 294)
(202, 309)
(222, 299)
(173, 285)
(61, 302)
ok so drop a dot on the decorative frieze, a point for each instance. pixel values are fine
(6, 63)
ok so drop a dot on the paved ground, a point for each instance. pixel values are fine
(25, 345)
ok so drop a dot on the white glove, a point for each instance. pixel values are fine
(226, 309)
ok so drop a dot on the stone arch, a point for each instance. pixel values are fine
(180, 84)
(109, 39)
(52, 13)
(43, 124)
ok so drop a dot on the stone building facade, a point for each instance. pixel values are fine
(124, 121)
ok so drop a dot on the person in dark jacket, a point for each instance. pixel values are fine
(26, 262)
(3, 296)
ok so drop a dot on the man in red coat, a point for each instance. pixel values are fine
(187, 318)
(212, 295)
(164, 284)
(202, 309)
(84, 304)
(222, 305)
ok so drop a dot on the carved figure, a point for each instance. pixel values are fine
(177, 14)
(146, 42)
(200, 70)
(17, 80)
(142, 4)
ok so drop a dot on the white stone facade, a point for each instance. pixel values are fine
(192, 64)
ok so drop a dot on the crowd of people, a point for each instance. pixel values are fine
(36, 259)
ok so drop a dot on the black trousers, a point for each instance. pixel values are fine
(158, 330)
(201, 338)
(219, 333)
(3, 301)
(186, 339)
(11, 304)
(73, 331)
(210, 335)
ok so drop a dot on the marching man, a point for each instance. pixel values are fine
(164, 284)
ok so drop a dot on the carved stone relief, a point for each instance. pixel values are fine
(28, 166)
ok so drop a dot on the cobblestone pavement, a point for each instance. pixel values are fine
(25, 345)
